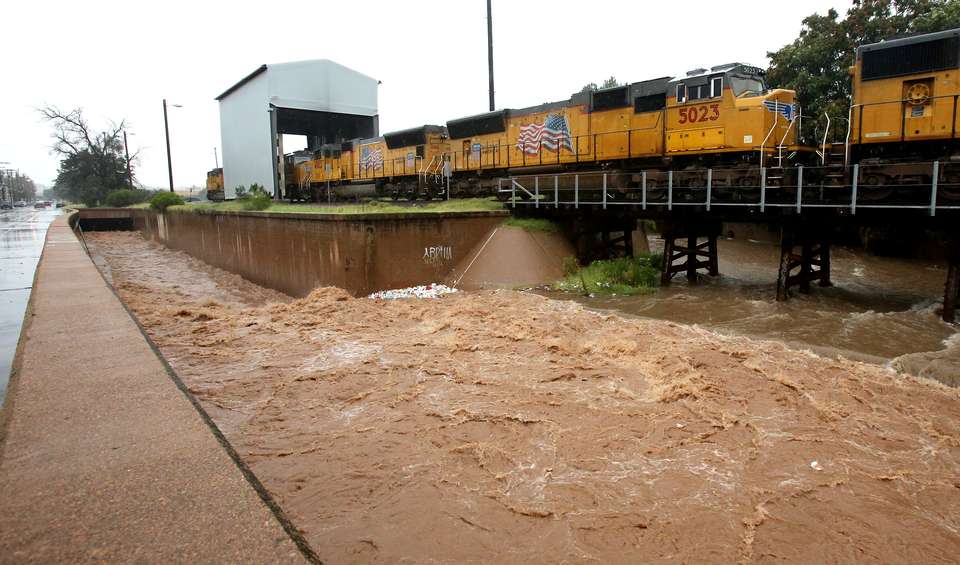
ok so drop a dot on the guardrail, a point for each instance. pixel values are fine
(931, 187)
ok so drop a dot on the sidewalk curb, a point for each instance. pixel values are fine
(308, 553)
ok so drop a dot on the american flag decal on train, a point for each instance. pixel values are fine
(786, 110)
(552, 134)
(371, 158)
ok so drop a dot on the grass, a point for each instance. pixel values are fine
(627, 275)
(532, 224)
(370, 207)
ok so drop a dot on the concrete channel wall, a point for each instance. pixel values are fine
(296, 253)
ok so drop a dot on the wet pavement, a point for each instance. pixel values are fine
(22, 231)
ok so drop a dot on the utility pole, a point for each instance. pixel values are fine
(126, 151)
(493, 106)
(166, 130)
(216, 161)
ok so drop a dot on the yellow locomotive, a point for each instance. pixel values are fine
(215, 184)
(722, 116)
(905, 91)
(904, 114)
(408, 162)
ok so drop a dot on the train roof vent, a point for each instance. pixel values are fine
(914, 55)
(610, 98)
(482, 124)
(696, 72)
(410, 137)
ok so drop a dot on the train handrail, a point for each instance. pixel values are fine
(846, 142)
(769, 133)
(782, 140)
(823, 146)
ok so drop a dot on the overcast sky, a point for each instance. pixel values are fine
(118, 60)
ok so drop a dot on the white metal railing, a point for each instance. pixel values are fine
(527, 190)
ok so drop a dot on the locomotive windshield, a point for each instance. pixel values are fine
(747, 85)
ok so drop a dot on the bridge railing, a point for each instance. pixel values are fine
(922, 186)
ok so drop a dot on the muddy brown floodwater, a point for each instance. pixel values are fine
(880, 309)
(508, 427)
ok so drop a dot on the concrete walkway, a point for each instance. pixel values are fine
(102, 457)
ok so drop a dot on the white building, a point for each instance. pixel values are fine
(320, 99)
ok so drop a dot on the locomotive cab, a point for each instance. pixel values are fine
(727, 109)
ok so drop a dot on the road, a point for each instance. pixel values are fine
(22, 232)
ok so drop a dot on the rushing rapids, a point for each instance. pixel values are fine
(505, 426)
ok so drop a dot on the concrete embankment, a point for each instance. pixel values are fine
(102, 457)
(361, 253)
(296, 253)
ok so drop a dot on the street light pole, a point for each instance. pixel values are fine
(126, 151)
(166, 130)
(493, 106)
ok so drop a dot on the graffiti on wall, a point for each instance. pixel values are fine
(437, 255)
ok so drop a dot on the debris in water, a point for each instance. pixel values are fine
(423, 291)
(816, 466)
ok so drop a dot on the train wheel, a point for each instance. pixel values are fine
(875, 187)
(949, 188)
(656, 190)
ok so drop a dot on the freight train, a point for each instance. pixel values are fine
(903, 112)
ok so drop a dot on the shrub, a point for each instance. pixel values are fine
(257, 198)
(163, 200)
(627, 275)
(127, 197)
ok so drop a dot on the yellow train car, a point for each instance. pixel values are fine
(404, 163)
(402, 154)
(215, 184)
(905, 94)
(708, 117)
(728, 109)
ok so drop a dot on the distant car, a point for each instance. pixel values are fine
(59, 204)
(6, 206)
(40, 204)
(19, 204)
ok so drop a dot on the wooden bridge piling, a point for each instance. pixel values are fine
(811, 262)
(693, 253)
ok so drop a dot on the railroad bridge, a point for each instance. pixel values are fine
(808, 205)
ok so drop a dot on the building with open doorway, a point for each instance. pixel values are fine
(319, 99)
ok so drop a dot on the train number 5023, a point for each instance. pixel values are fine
(700, 114)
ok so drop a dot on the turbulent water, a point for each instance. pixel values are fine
(878, 310)
(504, 427)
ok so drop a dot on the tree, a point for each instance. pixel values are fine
(609, 83)
(816, 63)
(15, 187)
(93, 163)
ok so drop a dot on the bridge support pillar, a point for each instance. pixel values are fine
(598, 239)
(695, 247)
(951, 291)
(804, 258)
